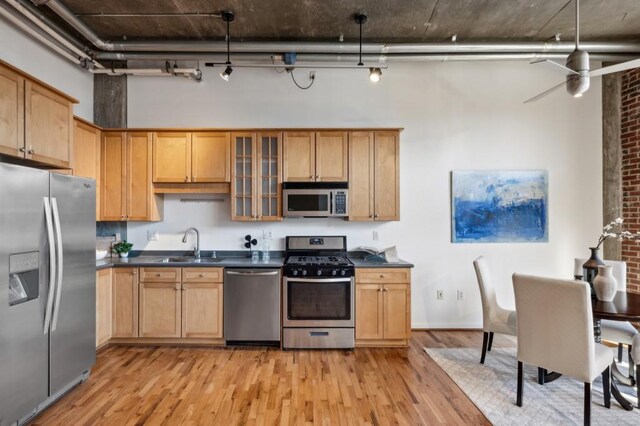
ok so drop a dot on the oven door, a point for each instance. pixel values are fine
(318, 302)
(306, 202)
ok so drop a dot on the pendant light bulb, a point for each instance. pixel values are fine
(226, 73)
(375, 74)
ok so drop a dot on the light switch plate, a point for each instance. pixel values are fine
(153, 235)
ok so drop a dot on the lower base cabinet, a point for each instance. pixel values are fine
(125, 302)
(383, 307)
(103, 306)
(160, 309)
(202, 310)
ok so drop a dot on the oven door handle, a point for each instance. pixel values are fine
(319, 280)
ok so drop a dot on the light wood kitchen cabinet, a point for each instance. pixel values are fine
(210, 157)
(86, 154)
(126, 187)
(256, 177)
(36, 121)
(202, 312)
(160, 309)
(125, 302)
(11, 113)
(103, 306)
(48, 126)
(201, 157)
(315, 156)
(374, 175)
(383, 306)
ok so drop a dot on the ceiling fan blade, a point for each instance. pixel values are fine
(616, 68)
(555, 66)
(545, 93)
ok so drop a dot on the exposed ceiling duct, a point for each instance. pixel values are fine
(63, 43)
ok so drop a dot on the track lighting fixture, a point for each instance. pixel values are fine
(226, 73)
(375, 74)
(227, 16)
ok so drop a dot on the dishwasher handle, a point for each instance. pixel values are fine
(253, 274)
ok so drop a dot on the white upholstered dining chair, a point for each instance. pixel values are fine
(634, 359)
(495, 319)
(620, 332)
(555, 332)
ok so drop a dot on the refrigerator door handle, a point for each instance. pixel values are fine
(60, 269)
(52, 264)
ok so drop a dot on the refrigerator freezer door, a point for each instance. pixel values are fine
(23, 246)
(73, 327)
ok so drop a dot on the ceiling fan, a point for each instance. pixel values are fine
(576, 69)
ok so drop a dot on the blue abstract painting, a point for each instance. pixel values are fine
(499, 206)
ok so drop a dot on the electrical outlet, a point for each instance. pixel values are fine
(440, 294)
(153, 235)
(376, 236)
(460, 295)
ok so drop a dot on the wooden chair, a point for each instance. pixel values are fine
(495, 319)
(555, 332)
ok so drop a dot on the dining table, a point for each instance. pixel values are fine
(624, 307)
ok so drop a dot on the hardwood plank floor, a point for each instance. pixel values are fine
(265, 386)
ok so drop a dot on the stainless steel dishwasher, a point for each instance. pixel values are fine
(252, 306)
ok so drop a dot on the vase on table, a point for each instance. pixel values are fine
(591, 267)
(605, 284)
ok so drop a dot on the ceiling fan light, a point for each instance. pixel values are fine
(375, 74)
(226, 73)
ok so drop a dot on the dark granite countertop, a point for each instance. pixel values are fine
(230, 259)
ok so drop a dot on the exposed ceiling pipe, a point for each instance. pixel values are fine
(49, 28)
(190, 73)
(36, 33)
(323, 47)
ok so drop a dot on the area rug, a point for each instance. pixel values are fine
(492, 388)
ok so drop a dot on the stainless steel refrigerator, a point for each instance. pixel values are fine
(47, 288)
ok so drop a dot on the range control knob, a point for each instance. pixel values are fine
(334, 272)
(304, 272)
(319, 272)
(343, 272)
(295, 272)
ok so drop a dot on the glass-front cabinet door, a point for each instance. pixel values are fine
(256, 178)
(243, 149)
(270, 176)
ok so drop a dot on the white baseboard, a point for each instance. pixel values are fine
(445, 325)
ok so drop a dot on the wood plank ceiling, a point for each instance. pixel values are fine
(389, 20)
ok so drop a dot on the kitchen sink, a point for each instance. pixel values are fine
(189, 260)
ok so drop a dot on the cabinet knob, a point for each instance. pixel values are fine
(201, 275)
(379, 290)
(21, 149)
(381, 275)
(133, 273)
(31, 151)
(385, 289)
(157, 275)
(186, 178)
(376, 216)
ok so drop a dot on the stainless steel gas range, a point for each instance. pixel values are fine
(318, 294)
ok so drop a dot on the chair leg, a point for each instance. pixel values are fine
(620, 349)
(632, 366)
(541, 373)
(485, 341)
(520, 384)
(606, 386)
(638, 385)
(587, 404)
(490, 341)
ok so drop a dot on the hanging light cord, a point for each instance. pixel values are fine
(360, 63)
(311, 77)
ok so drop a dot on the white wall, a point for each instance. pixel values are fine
(32, 57)
(456, 116)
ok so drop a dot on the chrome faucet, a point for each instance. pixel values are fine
(196, 249)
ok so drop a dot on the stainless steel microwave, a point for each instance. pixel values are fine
(315, 199)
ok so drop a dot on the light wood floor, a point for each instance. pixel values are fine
(205, 386)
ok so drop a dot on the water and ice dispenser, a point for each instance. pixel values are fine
(24, 276)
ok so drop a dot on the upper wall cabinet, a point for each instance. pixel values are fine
(11, 113)
(36, 121)
(374, 175)
(256, 176)
(127, 191)
(202, 157)
(315, 156)
(86, 155)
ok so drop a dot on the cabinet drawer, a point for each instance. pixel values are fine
(202, 275)
(160, 275)
(383, 275)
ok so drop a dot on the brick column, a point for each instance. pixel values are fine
(630, 139)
